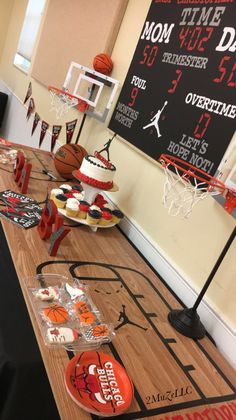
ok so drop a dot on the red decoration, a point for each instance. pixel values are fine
(28, 93)
(94, 182)
(21, 172)
(35, 123)
(44, 128)
(30, 108)
(70, 128)
(56, 129)
(47, 219)
(51, 226)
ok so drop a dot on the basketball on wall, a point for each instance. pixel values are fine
(103, 63)
(68, 158)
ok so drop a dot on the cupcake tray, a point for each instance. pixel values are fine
(66, 315)
(84, 221)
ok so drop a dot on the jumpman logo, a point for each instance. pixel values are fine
(125, 320)
(155, 120)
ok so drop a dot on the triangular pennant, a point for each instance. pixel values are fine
(30, 108)
(35, 123)
(70, 128)
(44, 128)
(56, 129)
(28, 93)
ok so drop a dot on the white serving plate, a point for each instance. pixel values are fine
(84, 222)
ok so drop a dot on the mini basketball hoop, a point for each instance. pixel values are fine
(186, 185)
(62, 101)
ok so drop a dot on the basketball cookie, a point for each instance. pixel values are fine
(99, 384)
(98, 332)
(68, 158)
(103, 63)
(56, 314)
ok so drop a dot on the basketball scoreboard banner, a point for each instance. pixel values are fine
(179, 93)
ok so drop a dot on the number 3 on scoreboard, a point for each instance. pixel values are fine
(175, 81)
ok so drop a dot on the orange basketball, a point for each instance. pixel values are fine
(69, 158)
(103, 63)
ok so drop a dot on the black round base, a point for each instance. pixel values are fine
(187, 322)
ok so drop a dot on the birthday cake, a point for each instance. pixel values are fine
(96, 171)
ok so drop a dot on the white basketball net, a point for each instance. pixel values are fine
(181, 195)
(61, 103)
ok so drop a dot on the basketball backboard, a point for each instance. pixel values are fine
(97, 89)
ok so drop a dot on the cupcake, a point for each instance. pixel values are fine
(54, 192)
(65, 187)
(78, 195)
(106, 218)
(95, 207)
(78, 188)
(93, 217)
(60, 201)
(72, 207)
(108, 206)
(83, 209)
(74, 194)
(117, 215)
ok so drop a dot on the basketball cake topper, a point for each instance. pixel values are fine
(99, 384)
(97, 171)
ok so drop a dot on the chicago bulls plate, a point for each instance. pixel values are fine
(98, 383)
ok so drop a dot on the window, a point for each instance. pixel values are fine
(29, 34)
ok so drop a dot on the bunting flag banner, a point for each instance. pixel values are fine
(70, 128)
(35, 123)
(30, 108)
(56, 129)
(28, 93)
(44, 128)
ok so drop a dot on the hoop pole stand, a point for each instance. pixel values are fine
(187, 321)
(84, 116)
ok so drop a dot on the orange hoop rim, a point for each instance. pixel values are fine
(191, 171)
(81, 105)
(60, 91)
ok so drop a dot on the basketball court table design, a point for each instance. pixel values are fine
(139, 321)
(172, 374)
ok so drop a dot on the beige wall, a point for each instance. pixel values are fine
(191, 245)
(5, 15)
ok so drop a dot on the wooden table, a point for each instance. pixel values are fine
(172, 374)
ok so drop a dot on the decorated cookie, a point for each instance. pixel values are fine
(47, 294)
(56, 314)
(61, 335)
(97, 332)
(84, 313)
(74, 292)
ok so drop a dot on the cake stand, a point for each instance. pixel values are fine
(90, 193)
(84, 222)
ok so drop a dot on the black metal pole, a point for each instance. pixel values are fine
(215, 268)
(187, 321)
